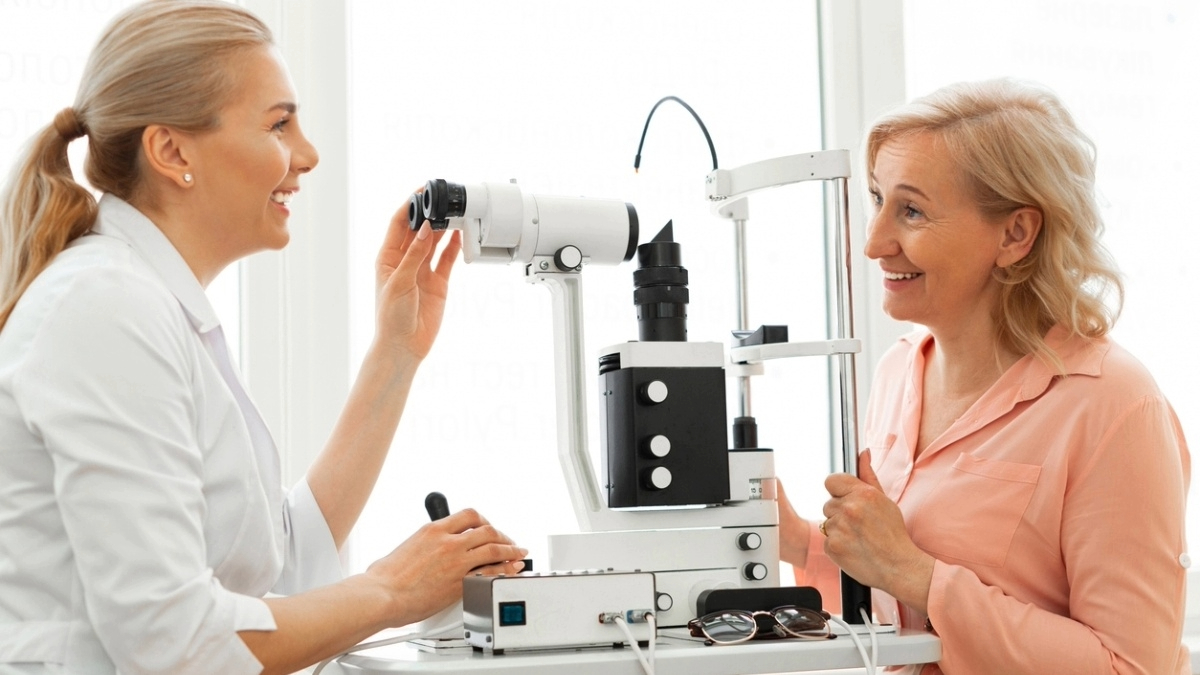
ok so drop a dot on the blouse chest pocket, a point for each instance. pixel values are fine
(974, 512)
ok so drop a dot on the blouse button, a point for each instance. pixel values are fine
(1185, 560)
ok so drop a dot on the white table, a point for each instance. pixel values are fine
(676, 653)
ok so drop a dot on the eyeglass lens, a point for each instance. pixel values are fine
(728, 626)
(738, 626)
(804, 623)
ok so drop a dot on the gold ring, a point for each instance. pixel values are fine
(821, 527)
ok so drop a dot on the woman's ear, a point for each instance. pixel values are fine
(166, 154)
(1021, 229)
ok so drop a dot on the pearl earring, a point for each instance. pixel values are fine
(187, 177)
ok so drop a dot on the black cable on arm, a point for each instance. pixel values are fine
(637, 160)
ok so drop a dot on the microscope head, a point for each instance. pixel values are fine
(503, 224)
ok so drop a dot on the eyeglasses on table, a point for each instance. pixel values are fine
(733, 626)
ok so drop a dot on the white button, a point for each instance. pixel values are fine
(660, 478)
(664, 602)
(660, 446)
(1185, 560)
(655, 392)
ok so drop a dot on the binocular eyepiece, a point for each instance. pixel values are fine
(438, 203)
(501, 223)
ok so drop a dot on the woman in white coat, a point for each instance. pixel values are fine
(142, 520)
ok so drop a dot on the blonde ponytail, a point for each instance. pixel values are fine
(44, 209)
(159, 62)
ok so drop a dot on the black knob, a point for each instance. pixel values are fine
(749, 541)
(567, 258)
(755, 571)
(436, 506)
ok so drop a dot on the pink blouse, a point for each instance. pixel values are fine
(1054, 507)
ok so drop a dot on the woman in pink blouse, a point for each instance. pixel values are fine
(1023, 480)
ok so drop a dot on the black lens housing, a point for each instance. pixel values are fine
(438, 203)
(660, 289)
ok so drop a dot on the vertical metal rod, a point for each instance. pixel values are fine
(845, 329)
(742, 297)
(856, 598)
(833, 327)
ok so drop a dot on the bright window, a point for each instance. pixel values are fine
(555, 95)
(1127, 73)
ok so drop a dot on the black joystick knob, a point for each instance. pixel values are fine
(437, 506)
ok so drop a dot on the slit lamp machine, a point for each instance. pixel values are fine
(673, 498)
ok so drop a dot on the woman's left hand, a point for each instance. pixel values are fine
(410, 293)
(866, 537)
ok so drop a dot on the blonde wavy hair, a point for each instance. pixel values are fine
(159, 62)
(1019, 147)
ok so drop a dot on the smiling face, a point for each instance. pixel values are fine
(936, 249)
(248, 169)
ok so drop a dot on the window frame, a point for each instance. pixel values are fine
(295, 317)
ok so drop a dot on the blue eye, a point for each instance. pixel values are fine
(876, 198)
(910, 212)
(278, 126)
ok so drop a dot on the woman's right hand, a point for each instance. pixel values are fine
(424, 574)
(410, 287)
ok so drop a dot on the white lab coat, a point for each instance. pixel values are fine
(142, 516)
